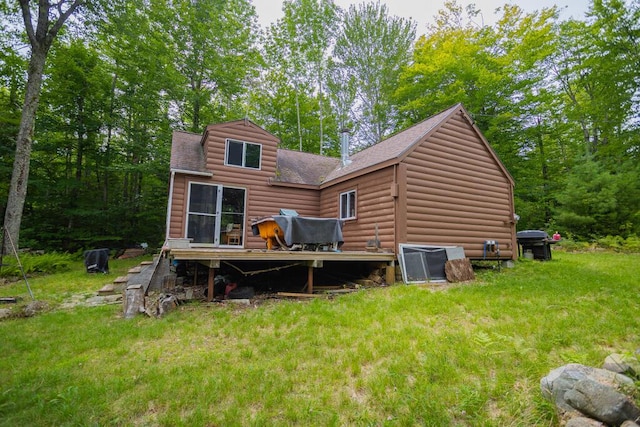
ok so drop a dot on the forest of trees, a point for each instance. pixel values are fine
(558, 100)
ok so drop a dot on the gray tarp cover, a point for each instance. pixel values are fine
(299, 229)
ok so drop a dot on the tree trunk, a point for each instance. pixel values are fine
(40, 38)
(544, 172)
(20, 175)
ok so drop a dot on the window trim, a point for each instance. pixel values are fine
(244, 154)
(349, 208)
(189, 212)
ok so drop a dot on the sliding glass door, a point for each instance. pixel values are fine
(216, 215)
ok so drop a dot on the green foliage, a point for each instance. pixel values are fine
(47, 263)
(208, 56)
(290, 96)
(544, 92)
(619, 244)
(596, 202)
(369, 54)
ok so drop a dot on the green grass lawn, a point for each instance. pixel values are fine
(471, 355)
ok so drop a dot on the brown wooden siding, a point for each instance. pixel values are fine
(268, 200)
(449, 190)
(262, 199)
(216, 141)
(374, 205)
(457, 194)
(178, 207)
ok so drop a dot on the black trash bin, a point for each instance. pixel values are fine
(535, 241)
(97, 260)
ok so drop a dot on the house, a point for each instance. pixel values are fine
(435, 183)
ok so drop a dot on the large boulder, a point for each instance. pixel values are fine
(597, 393)
(601, 402)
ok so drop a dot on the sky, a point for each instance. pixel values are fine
(423, 11)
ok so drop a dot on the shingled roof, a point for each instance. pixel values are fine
(296, 167)
(391, 148)
(186, 152)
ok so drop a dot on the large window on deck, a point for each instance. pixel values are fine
(216, 214)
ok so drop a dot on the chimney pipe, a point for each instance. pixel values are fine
(344, 146)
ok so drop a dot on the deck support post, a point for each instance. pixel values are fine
(212, 274)
(310, 280)
(318, 263)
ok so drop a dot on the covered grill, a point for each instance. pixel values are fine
(296, 232)
(536, 242)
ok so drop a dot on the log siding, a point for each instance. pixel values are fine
(458, 194)
(437, 183)
(374, 206)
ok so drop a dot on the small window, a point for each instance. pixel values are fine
(348, 205)
(243, 154)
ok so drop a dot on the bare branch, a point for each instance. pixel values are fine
(64, 16)
(28, 25)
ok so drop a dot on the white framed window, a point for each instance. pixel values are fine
(243, 154)
(348, 205)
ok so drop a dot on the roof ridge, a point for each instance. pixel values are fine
(187, 132)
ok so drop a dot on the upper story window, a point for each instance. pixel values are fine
(348, 205)
(243, 154)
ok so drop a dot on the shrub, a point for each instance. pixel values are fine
(610, 243)
(615, 243)
(52, 262)
(619, 244)
(570, 245)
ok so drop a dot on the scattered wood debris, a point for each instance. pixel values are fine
(299, 295)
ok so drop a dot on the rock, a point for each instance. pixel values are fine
(561, 379)
(93, 301)
(112, 299)
(34, 307)
(584, 422)
(629, 423)
(133, 301)
(601, 402)
(240, 301)
(622, 364)
(579, 390)
(166, 304)
(5, 313)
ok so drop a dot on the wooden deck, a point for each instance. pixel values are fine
(212, 257)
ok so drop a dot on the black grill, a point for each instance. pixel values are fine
(535, 241)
